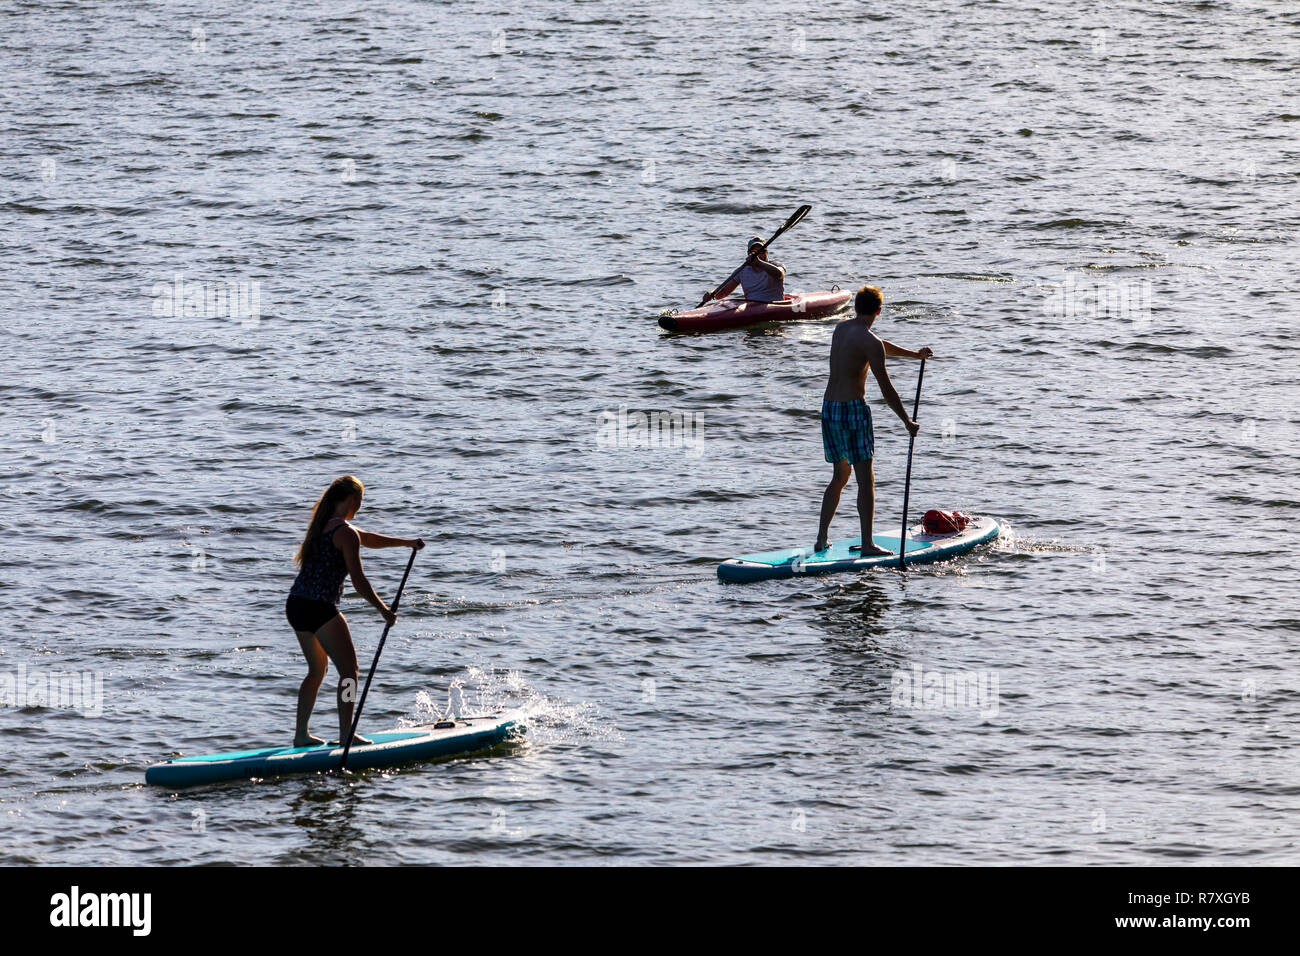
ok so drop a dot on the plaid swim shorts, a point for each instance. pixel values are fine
(846, 431)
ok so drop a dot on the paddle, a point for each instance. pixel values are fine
(356, 717)
(907, 487)
(789, 223)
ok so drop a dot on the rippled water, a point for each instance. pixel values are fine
(462, 224)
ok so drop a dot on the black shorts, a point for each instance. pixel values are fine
(307, 615)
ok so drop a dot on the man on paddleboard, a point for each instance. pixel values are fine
(760, 280)
(846, 419)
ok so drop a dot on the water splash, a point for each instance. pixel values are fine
(549, 720)
(1010, 540)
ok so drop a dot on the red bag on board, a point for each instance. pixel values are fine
(945, 522)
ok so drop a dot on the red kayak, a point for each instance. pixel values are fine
(735, 312)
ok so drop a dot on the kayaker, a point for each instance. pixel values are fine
(846, 419)
(330, 552)
(760, 279)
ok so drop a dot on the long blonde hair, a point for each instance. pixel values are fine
(339, 490)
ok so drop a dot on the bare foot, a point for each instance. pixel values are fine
(357, 741)
(307, 740)
(821, 546)
(871, 551)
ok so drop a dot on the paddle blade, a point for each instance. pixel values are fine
(797, 217)
(793, 220)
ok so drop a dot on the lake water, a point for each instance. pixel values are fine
(456, 227)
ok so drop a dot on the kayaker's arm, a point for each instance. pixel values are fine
(771, 268)
(876, 359)
(348, 540)
(897, 351)
(727, 287)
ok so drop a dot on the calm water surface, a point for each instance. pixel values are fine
(462, 224)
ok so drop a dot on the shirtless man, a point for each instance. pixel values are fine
(760, 279)
(846, 419)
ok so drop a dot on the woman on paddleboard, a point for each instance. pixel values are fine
(330, 552)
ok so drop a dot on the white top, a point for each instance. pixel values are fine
(757, 285)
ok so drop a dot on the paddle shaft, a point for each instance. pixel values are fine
(796, 218)
(356, 717)
(907, 485)
(792, 221)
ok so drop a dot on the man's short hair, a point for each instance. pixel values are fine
(868, 301)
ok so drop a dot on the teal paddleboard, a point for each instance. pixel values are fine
(796, 562)
(391, 747)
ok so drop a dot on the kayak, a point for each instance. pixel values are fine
(426, 742)
(735, 312)
(922, 548)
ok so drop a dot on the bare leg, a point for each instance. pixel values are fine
(336, 639)
(316, 664)
(831, 501)
(867, 507)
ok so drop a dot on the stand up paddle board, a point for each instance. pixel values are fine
(426, 742)
(922, 548)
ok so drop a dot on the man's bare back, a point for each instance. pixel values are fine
(855, 350)
(852, 346)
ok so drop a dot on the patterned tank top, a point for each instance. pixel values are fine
(323, 569)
